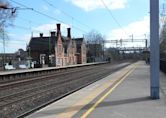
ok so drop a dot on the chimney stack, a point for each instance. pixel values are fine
(69, 32)
(41, 34)
(58, 28)
(52, 34)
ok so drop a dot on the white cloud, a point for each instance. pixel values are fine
(89, 5)
(45, 8)
(137, 28)
(46, 28)
(57, 12)
(15, 42)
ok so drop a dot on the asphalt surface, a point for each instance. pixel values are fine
(129, 99)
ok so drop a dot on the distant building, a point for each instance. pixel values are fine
(95, 52)
(14, 59)
(80, 50)
(57, 50)
(6, 58)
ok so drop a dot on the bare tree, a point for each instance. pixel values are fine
(7, 15)
(95, 46)
(94, 37)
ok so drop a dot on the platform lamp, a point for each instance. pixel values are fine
(49, 50)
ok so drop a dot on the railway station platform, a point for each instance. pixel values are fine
(123, 94)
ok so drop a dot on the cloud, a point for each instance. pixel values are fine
(46, 28)
(15, 42)
(57, 12)
(45, 8)
(89, 5)
(137, 28)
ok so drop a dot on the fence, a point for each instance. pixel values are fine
(163, 65)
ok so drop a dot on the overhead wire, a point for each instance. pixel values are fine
(67, 14)
(23, 28)
(38, 12)
(35, 23)
(43, 14)
(30, 21)
(113, 17)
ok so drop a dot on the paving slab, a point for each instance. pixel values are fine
(131, 99)
(71, 104)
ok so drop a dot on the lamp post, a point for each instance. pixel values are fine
(49, 51)
(4, 50)
(3, 6)
(29, 57)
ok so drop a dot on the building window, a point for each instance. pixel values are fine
(59, 61)
(84, 59)
(59, 49)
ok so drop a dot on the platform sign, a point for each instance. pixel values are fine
(154, 49)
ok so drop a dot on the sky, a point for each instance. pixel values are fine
(114, 19)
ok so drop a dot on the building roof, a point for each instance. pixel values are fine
(42, 43)
(78, 40)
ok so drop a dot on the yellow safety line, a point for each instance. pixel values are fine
(70, 111)
(109, 92)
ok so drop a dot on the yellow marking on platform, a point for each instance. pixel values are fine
(105, 95)
(69, 112)
(81, 103)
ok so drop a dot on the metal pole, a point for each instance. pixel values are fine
(29, 52)
(49, 52)
(146, 43)
(49, 45)
(3, 37)
(154, 49)
(29, 55)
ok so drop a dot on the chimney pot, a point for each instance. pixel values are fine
(58, 27)
(52, 34)
(69, 32)
(41, 34)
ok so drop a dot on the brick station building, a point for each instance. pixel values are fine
(57, 50)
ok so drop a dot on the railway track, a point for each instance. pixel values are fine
(13, 87)
(32, 93)
(52, 73)
(24, 81)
